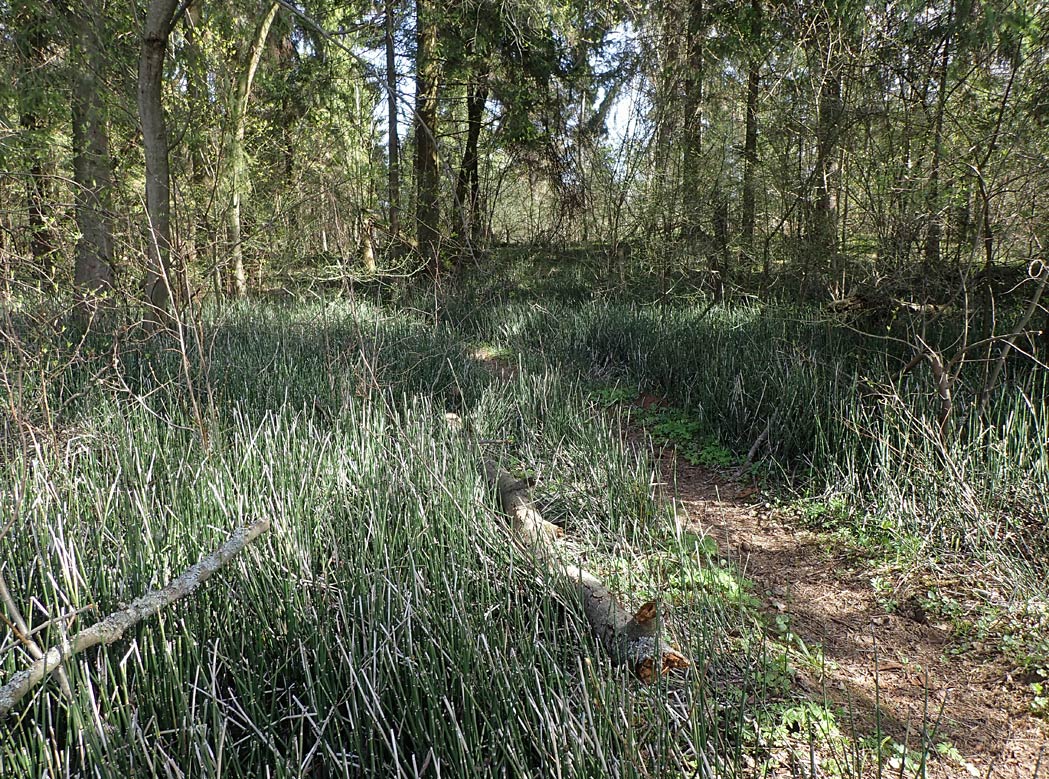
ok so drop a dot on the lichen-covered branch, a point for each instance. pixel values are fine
(635, 640)
(527, 523)
(113, 627)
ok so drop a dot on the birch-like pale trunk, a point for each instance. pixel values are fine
(156, 287)
(236, 157)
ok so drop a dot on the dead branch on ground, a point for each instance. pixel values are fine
(113, 627)
(635, 640)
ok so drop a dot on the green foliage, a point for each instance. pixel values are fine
(616, 395)
(829, 513)
(858, 443)
(673, 426)
(385, 601)
(385, 571)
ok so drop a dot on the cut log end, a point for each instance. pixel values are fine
(634, 640)
(671, 660)
(651, 658)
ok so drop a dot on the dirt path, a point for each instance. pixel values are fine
(893, 673)
(896, 669)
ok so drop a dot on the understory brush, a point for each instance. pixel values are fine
(384, 626)
(830, 413)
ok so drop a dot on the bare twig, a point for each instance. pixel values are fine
(942, 375)
(113, 627)
(943, 388)
(761, 439)
(20, 628)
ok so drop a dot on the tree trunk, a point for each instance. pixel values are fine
(394, 191)
(427, 178)
(200, 241)
(159, 20)
(92, 176)
(750, 140)
(720, 257)
(694, 118)
(934, 230)
(236, 157)
(31, 39)
(666, 193)
(366, 244)
(468, 182)
(823, 227)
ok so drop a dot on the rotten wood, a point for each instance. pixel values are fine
(113, 627)
(633, 639)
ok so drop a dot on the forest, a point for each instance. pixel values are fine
(568, 388)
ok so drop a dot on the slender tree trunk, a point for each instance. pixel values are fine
(31, 39)
(92, 176)
(159, 19)
(694, 117)
(750, 140)
(291, 112)
(200, 242)
(427, 178)
(367, 246)
(468, 182)
(236, 156)
(476, 117)
(824, 217)
(394, 190)
(932, 200)
(666, 192)
(720, 256)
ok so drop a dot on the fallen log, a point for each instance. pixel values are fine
(113, 627)
(635, 640)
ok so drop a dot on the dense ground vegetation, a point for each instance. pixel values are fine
(314, 262)
(385, 626)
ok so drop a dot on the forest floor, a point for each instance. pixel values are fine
(896, 673)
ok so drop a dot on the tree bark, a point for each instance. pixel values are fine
(823, 227)
(113, 627)
(92, 176)
(693, 98)
(236, 157)
(750, 139)
(720, 257)
(635, 640)
(31, 39)
(427, 178)
(200, 242)
(157, 288)
(468, 182)
(934, 229)
(393, 144)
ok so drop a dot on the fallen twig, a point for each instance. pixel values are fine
(113, 627)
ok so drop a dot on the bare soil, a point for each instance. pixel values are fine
(897, 673)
